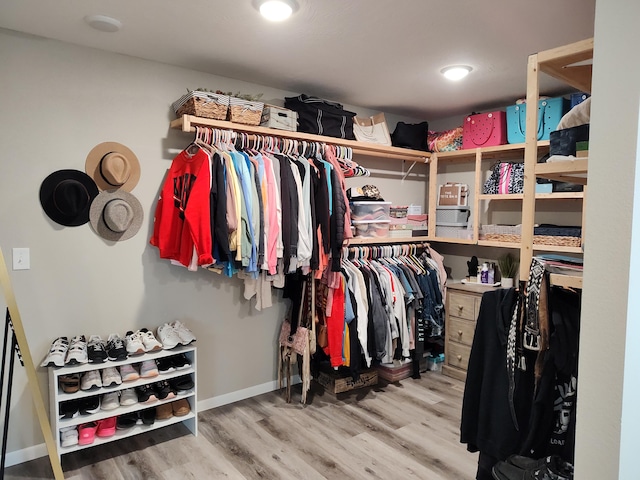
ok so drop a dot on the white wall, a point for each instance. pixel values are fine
(60, 100)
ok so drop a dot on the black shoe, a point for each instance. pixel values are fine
(69, 409)
(549, 468)
(148, 416)
(163, 390)
(181, 383)
(96, 349)
(89, 405)
(165, 365)
(180, 361)
(127, 420)
(115, 348)
(145, 394)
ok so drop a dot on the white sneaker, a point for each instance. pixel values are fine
(148, 369)
(133, 341)
(57, 353)
(186, 335)
(90, 380)
(168, 336)
(128, 373)
(110, 376)
(77, 352)
(128, 396)
(151, 344)
(110, 401)
(68, 436)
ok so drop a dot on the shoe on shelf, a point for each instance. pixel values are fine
(110, 401)
(186, 335)
(180, 361)
(148, 369)
(69, 436)
(552, 467)
(57, 353)
(165, 365)
(90, 380)
(87, 433)
(148, 416)
(89, 405)
(128, 396)
(128, 373)
(163, 390)
(182, 383)
(554, 463)
(127, 420)
(133, 342)
(69, 383)
(106, 427)
(110, 377)
(168, 336)
(146, 394)
(77, 352)
(69, 409)
(180, 407)
(115, 348)
(150, 342)
(96, 349)
(164, 411)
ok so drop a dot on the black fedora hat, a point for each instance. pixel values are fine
(66, 197)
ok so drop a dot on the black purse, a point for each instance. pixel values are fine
(411, 135)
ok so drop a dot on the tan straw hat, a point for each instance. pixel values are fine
(113, 166)
(116, 215)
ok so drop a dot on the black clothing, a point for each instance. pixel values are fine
(337, 221)
(218, 210)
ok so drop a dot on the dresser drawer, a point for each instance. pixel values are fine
(458, 355)
(461, 331)
(462, 306)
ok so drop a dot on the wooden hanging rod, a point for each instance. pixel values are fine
(187, 123)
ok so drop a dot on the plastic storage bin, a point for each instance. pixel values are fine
(279, 118)
(577, 98)
(550, 112)
(371, 229)
(453, 216)
(370, 211)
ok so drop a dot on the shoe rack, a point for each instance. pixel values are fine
(57, 396)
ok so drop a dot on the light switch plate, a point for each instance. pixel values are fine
(21, 259)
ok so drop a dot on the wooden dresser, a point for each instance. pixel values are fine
(462, 307)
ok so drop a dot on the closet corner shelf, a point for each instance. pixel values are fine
(384, 240)
(187, 123)
(539, 196)
(566, 281)
(488, 153)
(574, 171)
(561, 63)
(495, 243)
(556, 248)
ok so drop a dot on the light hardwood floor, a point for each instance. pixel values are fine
(407, 429)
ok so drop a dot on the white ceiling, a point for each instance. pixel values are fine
(381, 54)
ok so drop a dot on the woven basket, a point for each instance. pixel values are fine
(550, 240)
(500, 237)
(203, 104)
(244, 111)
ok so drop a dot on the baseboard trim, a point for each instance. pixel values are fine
(37, 451)
(26, 454)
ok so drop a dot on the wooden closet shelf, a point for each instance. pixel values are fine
(574, 171)
(386, 240)
(566, 281)
(561, 63)
(187, 123)
(539, 196)
(488, 153)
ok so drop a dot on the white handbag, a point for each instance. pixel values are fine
(372, 129)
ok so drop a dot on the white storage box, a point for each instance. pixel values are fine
(453, 216)
(369, 229)
(454, 232)
(280, 118)
(370, 211)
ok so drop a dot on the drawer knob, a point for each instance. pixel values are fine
(459, 357)
(459, 333)
(460, 307)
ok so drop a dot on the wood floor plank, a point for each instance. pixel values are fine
(406, 429)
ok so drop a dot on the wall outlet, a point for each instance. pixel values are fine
(21, 259)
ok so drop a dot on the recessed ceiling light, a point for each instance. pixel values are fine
(456, 72)
(103, 23)
(276, 10)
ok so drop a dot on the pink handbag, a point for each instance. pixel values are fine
(484, 130)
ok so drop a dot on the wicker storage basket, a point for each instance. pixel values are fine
(244, 111)
(511, 234)
(203, 104)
